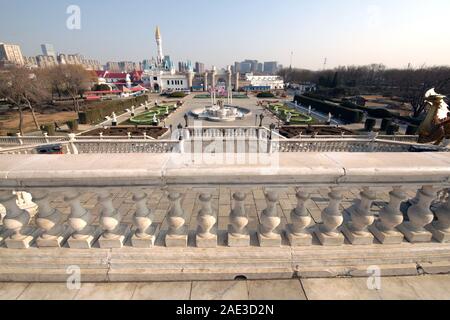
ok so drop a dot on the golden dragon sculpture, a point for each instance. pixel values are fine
(436, 126)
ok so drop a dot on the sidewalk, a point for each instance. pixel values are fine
(392, 288)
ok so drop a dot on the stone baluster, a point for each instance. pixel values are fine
(206, 231)
(114, 233)
(390, 217)
(268, 235)
(50, 220)
(18, 235)
(420, 216)
(441, 228)
(80, 220)
(177, 234)
(298, 232)
(329, 233)
(356, 230)
(238, 234)
(144, 237)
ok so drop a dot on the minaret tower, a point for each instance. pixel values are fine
(159, 45)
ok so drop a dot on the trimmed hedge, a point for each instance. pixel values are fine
(265, 95)
(347, 114)
(49, 128)
(72, 124)
(98, 111)
(177, 95)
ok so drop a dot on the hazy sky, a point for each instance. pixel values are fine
(393, 32)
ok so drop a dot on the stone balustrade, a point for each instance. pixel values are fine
(226, 141)
(375, 176)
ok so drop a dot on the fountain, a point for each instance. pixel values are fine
(218, 111)
(221, 112)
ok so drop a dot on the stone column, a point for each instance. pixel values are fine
(356, 230)
(213, 77)
(268, 234)
(441, 228)
(206, 231)
(238, 234)
(18, 234)
(177, 234)
(298, 232)
(420, 216)
(236, 85)
(390, 217)
(190, 76)
(329, 233)
(114, 233)
(80, 220)
(205, 80)
(145, 234)
(50, 220)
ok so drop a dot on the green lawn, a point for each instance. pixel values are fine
(297, 117)
(147, 117)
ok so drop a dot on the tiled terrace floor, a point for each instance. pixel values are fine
(395, 288)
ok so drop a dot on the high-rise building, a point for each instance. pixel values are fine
(199, 68)
(11, 53)
(31, 62)
(260, 68)
(44, 61)
(246, 67)
(48, 50)
(237, 67)
(271, 67)
(112, 66)
(126, 66)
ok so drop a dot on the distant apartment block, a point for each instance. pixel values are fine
(199, 68)
(48, 50)
(112, 66)
(46, 61)
(11, 53)
(271, 67)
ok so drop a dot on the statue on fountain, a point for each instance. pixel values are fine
(436, 126)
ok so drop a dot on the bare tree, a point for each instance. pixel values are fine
(70, 80)
(21, 89)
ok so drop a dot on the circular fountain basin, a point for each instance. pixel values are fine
(219, 114)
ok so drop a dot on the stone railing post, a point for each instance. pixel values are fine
(46, 137)
(268, 235)
(390, 217)
(206, 232)
(238, 234)
(178, 233)
(329, 233)
(144, 237)
(420, 216)
(16, 220)
(441, 228)
(297, 231)
(73, 147)
(50, 220)
(80, 220)
(181, 144)
(356, 230)
(19, 135)
(114, 233)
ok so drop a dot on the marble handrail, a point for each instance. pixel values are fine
(73, 175)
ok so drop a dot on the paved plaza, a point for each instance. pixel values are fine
(436, 287)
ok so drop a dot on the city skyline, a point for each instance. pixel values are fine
(356, 33)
